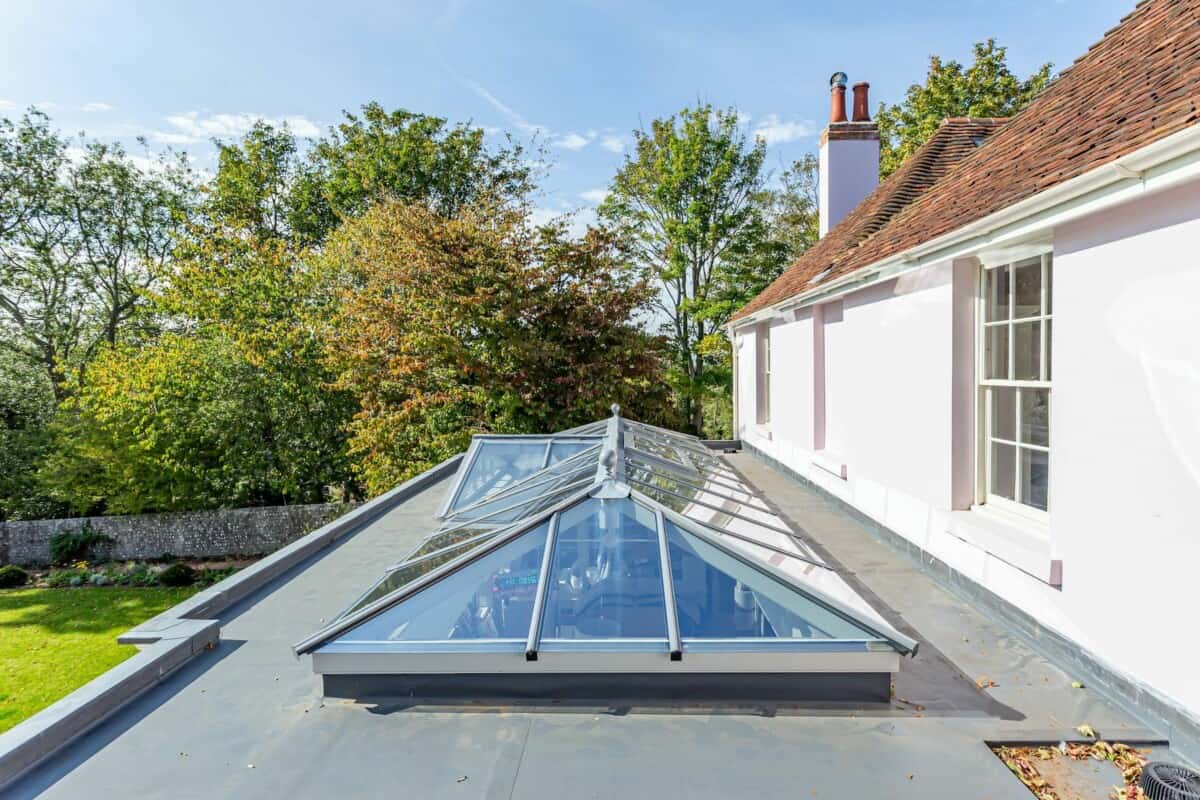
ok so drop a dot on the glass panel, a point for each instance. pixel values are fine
(1049, 349)
(658, 448)
(491, 598)
(1004, 471)
(406, 574)
(1004, 413)
(517, 504)
(996, 294)
(442, 540)
(1049, 284)
(1035, 416)
(1035, 477)
(996, 356)
(499, 464)
(718, 596)
(1027, 292)
(561, 450)
(1027, 351)
(606, 574)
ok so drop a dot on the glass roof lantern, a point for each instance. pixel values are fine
(613, 560)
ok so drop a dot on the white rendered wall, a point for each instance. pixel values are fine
(849, 171)
(1125, 435)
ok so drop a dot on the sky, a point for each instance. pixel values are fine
(577, 75)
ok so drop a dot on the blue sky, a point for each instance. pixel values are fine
(580, 74)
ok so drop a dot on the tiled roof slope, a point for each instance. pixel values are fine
(1138, 84)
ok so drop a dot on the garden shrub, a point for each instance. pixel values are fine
(177, 575)
(12, 576)
(67, 546)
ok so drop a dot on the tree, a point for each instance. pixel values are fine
(480, 322)
(987, 88)
(688, 201)
(26, 411)
(81, 240)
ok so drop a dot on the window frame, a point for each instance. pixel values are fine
(984, 386)
(762, 374)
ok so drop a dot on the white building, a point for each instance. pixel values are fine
(995, 353)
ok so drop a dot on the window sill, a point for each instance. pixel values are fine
(1014, 539)
(761, 430)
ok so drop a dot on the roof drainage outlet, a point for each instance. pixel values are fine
(1170, 782)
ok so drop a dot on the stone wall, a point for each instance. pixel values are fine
(193, 534)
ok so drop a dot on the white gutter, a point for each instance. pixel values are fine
(1155, 167)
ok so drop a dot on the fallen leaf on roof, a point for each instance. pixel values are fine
(985, 682)
(1076, 684)
(1086, 730)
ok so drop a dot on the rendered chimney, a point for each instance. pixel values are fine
(849, 156)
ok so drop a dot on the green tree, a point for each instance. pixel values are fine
(26, 411)
(81, 240)
(986, 88)
(688, 201)
(481, 322)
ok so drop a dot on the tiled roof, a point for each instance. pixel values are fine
(1138, 84)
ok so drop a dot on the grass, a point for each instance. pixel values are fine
(52, 641)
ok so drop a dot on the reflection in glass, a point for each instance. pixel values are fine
(407, 573)
(606, 574)
(1035, 477)
(1004, 413)
(1027, 351)
(718, 596)
(1027, 289)
(996, 294)
(491, 598)
(499, 464)
(1004, 470)
(1035, 417)
(996, 356)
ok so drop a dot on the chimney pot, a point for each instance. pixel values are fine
(837, 97)
(861, 112)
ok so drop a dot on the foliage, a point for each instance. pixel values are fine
(26, 410)
(68, 546)
(689, 203)
(81, 239)
(12, 576)
(178, 574)
(449, 325)
(56, 641)
(986, 88)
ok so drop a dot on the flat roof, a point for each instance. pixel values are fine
(248, 720)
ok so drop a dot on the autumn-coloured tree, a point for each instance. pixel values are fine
(480, 322)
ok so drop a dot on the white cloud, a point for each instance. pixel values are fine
(543, 216)
(594, 195)
(775, 130)
(96, 105)
(613, 143)
(192, 126)
(744, 118)
(46, 105)
(572, 141)
(6, 105)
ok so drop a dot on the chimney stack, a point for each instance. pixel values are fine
(849, 156)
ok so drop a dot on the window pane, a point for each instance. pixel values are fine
(997, 352)
(1049, 342)
(718, 596)
(491, 598)
(1027, 292)
(996, 294)
(562, 450)
(406, 574)
(1004, 413)
(1004, 470)
(606, 574)
(499, 464)
(1035, 477)
(1027, 351)
(1035, 416)
(1049, 284)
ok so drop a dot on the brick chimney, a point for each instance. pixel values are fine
(849, 155)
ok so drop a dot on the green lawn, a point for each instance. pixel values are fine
(52, 641)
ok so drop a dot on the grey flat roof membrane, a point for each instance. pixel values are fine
(611, 560)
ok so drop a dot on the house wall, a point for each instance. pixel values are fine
(1125, 433)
